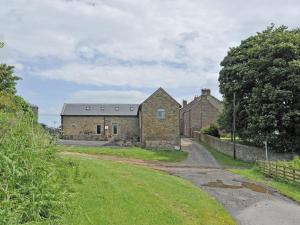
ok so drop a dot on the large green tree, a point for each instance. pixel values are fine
(264, 72)
(7, 79)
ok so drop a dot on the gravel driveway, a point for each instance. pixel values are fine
(82, 143)
(247, 202)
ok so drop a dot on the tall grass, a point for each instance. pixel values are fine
(295, 163)
(32, 186)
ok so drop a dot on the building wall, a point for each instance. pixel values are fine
(85, 127)
(35, 110)
(186, 123)
(160, 133)
(201, 114)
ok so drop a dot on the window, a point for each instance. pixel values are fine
(88, 107)
(115, 129)
(98, 129)
(102, 108)
(160, 114)
(73, 125)
(131, 108)
(117, 108)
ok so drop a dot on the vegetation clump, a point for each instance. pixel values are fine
(295, 163)
(264, 73)
(211, 130)
(32, 179)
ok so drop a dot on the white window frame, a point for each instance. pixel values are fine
(97, 129)
(159, 115)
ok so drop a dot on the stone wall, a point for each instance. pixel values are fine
(160, 133)
(85, 127)
(243, 152)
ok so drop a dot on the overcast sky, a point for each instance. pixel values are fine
(120, 51)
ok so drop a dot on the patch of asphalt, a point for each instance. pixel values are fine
(197, 155)
(249, 203)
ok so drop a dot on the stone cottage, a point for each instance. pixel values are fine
(154, 124)
(199, 113)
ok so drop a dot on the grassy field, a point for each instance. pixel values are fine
(112, 193)
(225, 160)
(290, 190)
(132, 152)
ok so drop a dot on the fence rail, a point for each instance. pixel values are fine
(278, 171)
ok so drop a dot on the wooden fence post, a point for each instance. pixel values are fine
(294, 175)
(276, 170)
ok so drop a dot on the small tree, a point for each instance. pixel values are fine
(7, 79)
(264, 72)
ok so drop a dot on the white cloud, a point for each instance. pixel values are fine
(88, 96)
(136, 76)
(133, 43)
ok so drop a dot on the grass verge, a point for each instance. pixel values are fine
(107, 192)
(132, 152)
(287, 189)
(225, 160)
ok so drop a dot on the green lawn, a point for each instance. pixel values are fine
(290, 190)
(111, 193)
(225, 160)
(132, 152)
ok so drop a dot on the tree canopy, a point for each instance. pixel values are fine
(7, 79)
(264, 72)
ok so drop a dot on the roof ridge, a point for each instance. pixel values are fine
(160, 88)
(101, 104)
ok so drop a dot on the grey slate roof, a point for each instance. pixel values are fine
(75, 109)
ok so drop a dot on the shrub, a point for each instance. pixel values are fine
(211, 130)
(32, 185)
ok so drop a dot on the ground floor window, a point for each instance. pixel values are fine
(115, 129)
(98, 129)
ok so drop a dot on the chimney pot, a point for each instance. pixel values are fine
(184, 103)
(205, 91)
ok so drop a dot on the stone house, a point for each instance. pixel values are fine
(199, 113)
(35, 110)
(153, 124)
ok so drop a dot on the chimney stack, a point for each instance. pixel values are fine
(205, 92)
(184, 103)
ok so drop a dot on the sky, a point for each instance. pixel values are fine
(120, 51)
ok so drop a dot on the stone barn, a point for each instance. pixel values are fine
(154, 124)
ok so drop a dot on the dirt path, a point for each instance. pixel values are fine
(247, 202)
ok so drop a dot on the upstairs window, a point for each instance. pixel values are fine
(160, 114)
(88, 107)
(131, 108)
(98, 129)
(102, 108)
(117, 108)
